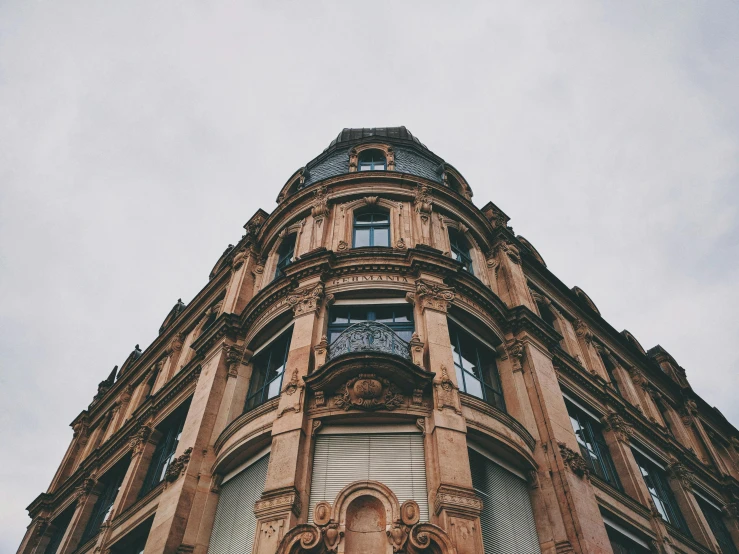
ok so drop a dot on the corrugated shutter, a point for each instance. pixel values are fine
(235, 524)
(394, 459)
(507, 520)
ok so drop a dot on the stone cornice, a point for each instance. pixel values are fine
(522, 318)
(225, 325)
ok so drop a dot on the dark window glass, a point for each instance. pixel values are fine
(268, 369)
(592, 445)
(624, 545)
(111, 483)
(474, 363)
(170, 430)
(371, 160)
(460, 249)
(285, 255)
(715, 520)
(371, 229)
(58, 528)
(399, 317)
(659, 488)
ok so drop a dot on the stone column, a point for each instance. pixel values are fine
(455, 506)
(38, 531)
(681, 481)
(143, 444)
(285, 490)
(618, 438)
(562, 475)
(591, 361)
(86, 498)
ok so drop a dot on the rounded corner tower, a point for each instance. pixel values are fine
(379, 366)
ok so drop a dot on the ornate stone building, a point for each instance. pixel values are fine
(379, 366)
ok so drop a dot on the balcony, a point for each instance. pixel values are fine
(369, 336)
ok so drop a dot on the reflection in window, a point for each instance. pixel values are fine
(285, 255)
(371, 229)
(170, 431)
(656, 480)
(460, 249)
(268, 369)
(371, 160)
(477, 373)
(718, 527)
(399, 317)
(592, 445)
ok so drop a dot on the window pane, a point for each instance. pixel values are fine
(361, 238)
(403, 315)
(364, 218)
(473, 385)
(460, 378)
(365, 166)
(382, 237)
(384, 314)
(379, 167)
(274, 388)
(380, 217)
(340, 314)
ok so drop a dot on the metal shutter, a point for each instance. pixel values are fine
(235, 524)
(394, 459)
(506, 521)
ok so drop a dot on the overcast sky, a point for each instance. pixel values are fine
(136, 138)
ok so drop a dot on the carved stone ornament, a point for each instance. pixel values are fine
(138, 440)
(400, 244)
(85, 487)
(679, 472)
(307, 300)
(423, 202)
(175, 344)
(622, 430)
(42, 524)
(368, 391)
(573, 460)
(416, 346)
(446, 392)
(457, 499)
(177, 466)
(278, 502)
(731, 510)
(582, 330)
(515, 351)
(319, 207)
(234, 355)
(343, 245)
(435, 296)
(510, 250)
(292, 385)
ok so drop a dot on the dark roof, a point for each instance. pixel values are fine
(356, 135)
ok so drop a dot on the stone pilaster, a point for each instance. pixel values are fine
(511, 281)
(681, 481)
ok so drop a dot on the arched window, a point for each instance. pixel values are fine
(285, 255)
(371, 228)
(371, 160)
(474, 363)
(460, 249)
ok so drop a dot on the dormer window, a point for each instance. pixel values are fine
(285, 255)
(372, 160)
(460, 249)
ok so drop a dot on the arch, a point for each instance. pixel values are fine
(454, 180)
(273, 247)
(632, 340)
(585, 299)
(530, 247)
(371, 227)
(385, 149)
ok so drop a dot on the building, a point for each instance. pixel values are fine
(380, 366)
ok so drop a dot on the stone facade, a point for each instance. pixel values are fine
(554, 357)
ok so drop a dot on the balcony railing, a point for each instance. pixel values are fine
(369, 336)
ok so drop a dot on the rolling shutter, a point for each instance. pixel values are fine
(394, 459)
(506, 521)
(235, 524)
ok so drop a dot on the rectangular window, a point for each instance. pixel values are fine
(474, 363)
(58, 528)
(622, 544)
(170, 430)
(592, 445)
(110, 484)
(661, 493)
(399, 317)
(268, 369)
(715, 520)
(507, 520)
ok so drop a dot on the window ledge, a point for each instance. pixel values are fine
(503, 417)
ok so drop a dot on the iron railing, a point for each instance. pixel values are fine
(369, 336)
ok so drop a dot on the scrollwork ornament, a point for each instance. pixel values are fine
(368, 391)
(436, 296)
(573, 460)
(679, 472)
(622, 430)
(307, 300)
(177, 466)
(515, 351)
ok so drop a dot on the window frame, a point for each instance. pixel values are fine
(112, 481)
(605, 469)
(170, 430)
(285, 257)
(716, 523)
(658, 486)
(493, 376)
(405, 327)
(371, 225)
(255, 398)
(372, 152)
(461, 249)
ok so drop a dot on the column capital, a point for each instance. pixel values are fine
(306, 300)
(432, 295)
(616, 424)
(678, 472)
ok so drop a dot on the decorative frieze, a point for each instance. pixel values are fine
(457, 499)
(278, 502)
